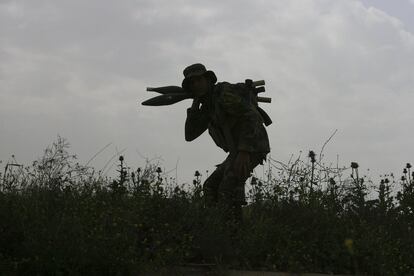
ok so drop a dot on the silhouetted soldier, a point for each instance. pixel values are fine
(235, 125)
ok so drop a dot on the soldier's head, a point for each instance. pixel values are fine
(198, 80)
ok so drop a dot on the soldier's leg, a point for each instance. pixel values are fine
(231, 190)
(211, 185)
(230, 195)
(255, 159)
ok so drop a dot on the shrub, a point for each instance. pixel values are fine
(58, 216)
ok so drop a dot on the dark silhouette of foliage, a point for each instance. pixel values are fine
(59, 217)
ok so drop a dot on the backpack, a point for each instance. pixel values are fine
(248, 92)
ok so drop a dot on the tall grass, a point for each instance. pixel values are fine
(60, 217)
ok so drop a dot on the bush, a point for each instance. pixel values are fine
(61, 217)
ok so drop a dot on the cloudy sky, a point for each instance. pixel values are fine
(79, 69)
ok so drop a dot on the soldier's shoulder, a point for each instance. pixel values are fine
(231, 95)
(223, 85)
(230, 87)
(229, 84)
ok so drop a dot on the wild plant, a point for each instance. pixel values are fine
(58, 216)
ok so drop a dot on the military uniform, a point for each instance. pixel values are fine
(235, 125)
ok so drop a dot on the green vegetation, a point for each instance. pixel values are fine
(59, 217)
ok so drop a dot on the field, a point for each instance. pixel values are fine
(60, 217)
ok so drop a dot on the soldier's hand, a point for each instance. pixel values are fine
(242, 164)
(196, 104)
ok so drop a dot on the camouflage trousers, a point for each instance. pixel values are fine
(226, 188)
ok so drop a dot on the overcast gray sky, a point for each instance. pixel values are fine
(80, 68)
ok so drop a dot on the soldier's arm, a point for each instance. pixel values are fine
(196, 122)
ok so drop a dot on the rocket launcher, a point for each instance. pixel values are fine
(174, 94)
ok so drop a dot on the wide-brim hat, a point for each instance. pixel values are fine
(197, 69)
